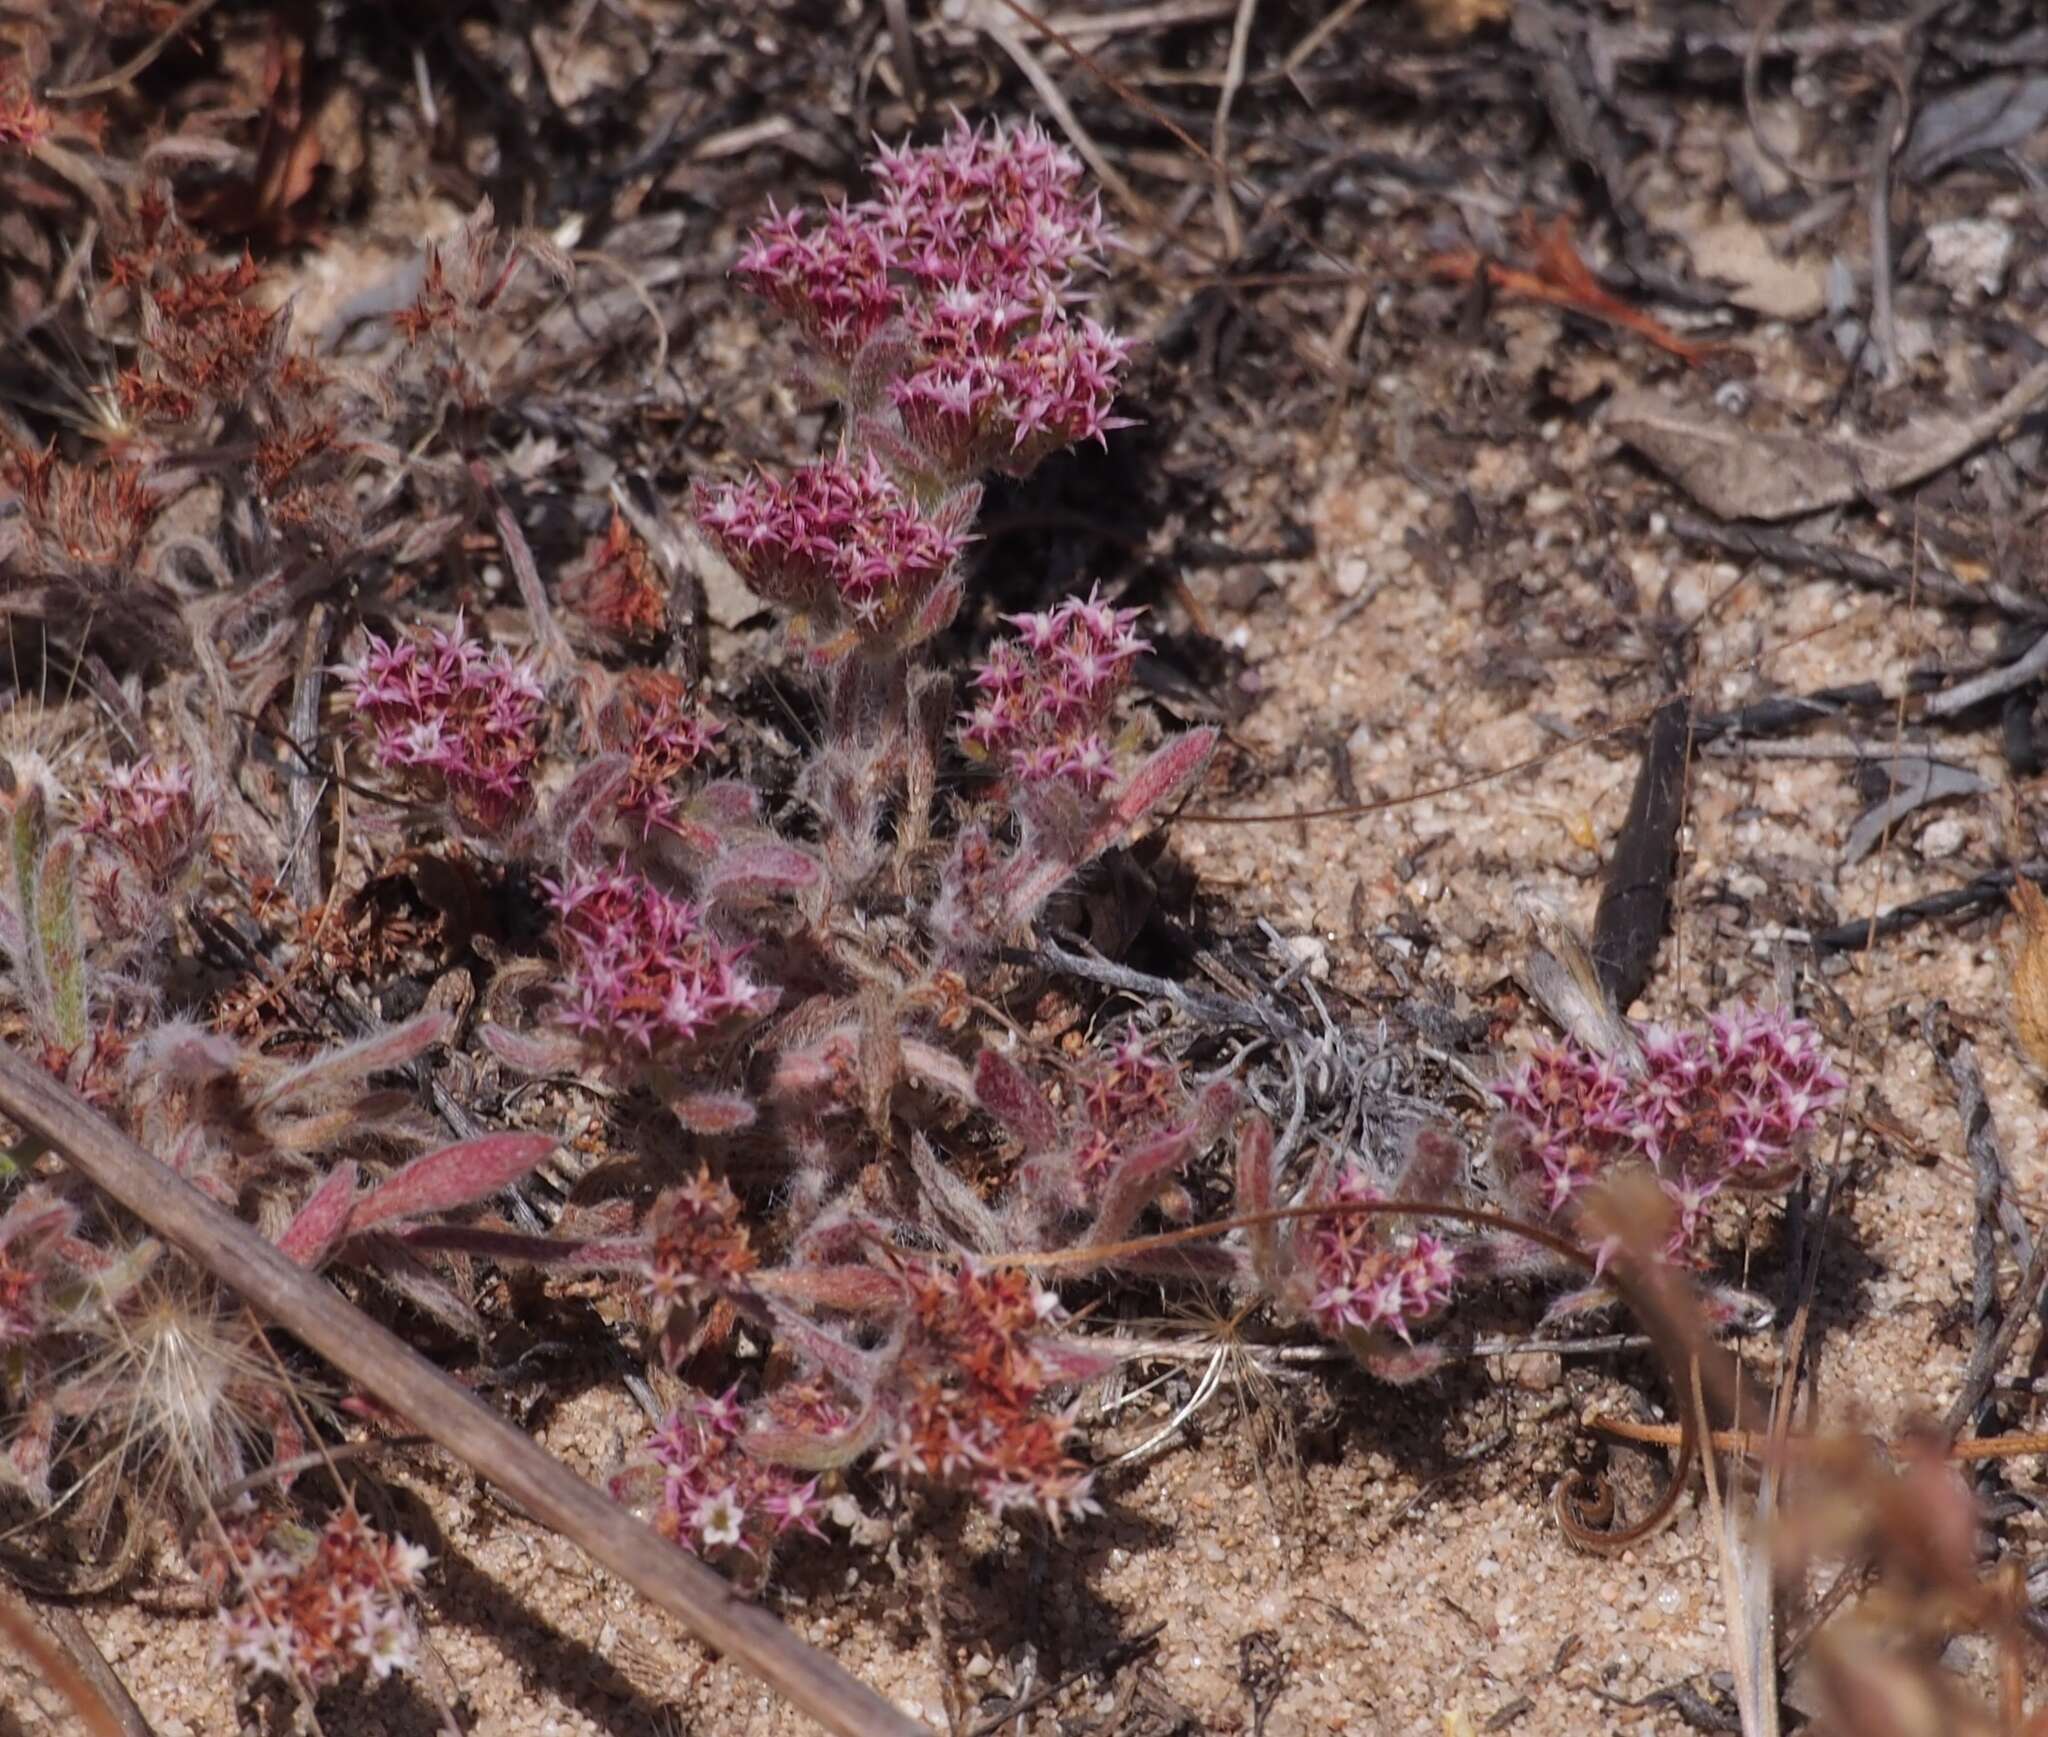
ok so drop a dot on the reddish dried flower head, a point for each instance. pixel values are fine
(615, 590)
(33, 1231)
(1707, 1110)
(24, 124)
(204, 340)
(466, 719)
(83, 515)
(314, 1609)
(974, 1372)
(643, 970)
(652, 721)
(842, 542)
(698, 1244)
(1047, 695)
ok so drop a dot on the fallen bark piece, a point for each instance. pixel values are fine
(1736, 472)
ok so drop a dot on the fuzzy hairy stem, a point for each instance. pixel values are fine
(390, 1370)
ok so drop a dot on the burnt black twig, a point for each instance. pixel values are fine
(1757, 543)
(1996, 1211)
(1987, 889)
(1635, 899)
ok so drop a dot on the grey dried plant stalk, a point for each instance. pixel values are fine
(392, 1372)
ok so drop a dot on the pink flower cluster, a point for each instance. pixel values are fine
(1725, 1107)
(314, 1610)
(716, 1498)
(966, 1406)
(642, 967)
(998, 387)
(1046, 695)
(1128, 1096)
(964, 262)
(1360, 1279)
(148, 814)
(841, 540)
(443, 707)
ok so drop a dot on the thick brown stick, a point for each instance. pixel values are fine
(389, 1369)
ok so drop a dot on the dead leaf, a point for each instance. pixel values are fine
(1454, 20)
(2030, 971)
(1991, 115)
(1739, 254)
(1739, 473)
(1728, 467)
(1907, 783)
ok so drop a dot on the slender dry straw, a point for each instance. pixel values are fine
(391, 1371)
(20, 1631)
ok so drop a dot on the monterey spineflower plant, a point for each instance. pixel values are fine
(1723, 1108)
(457, 720)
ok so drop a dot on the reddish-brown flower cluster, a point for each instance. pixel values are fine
(33, 1230)
(208, 342)
(967, 1409)
(1128, 1096)
(615, 590)
(698, 1243)
(24, 123)
(313, 1608)
(80, 515)
(652, 721)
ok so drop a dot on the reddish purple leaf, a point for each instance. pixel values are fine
(1010, 1095)
(755, 870)
(323, 1221)
(351, 1063)
(1172, 769)
(712, 1112)
(454, 1176)
(532, 1053)
(727, 802)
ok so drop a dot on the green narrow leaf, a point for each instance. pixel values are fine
(57, 941)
